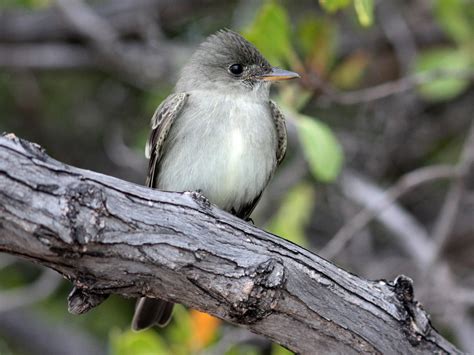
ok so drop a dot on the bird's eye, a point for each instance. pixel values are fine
(236, 69)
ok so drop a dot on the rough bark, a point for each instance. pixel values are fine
(110, 236)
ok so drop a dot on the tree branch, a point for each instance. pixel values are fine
(125, 16)
(111, 236)
(381, 202)
(40, 289)
(409, 82)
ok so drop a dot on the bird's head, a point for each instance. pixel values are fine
(227, 61)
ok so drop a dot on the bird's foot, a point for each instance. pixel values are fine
(250, 220)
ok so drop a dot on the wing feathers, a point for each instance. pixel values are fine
(161, 123)
(280, 125)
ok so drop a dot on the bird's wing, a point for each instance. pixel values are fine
(280, 125)
(161, 123)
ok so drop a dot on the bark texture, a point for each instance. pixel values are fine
(110, 236)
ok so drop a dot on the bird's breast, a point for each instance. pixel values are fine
(224, 147)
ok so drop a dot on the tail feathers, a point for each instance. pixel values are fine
(165, 315)
(150, 312)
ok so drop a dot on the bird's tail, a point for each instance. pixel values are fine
(150, 312)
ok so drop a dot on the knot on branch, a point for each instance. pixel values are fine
(81, 301)
(85, 211)
(417, 320)
(199, 199)
(262, 290)
(46, 236)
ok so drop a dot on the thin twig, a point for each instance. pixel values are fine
(47, 56)
(332, 95)
(44, 286)
(406, 183)
(106, 41)
(90, 25)
(398, 34)
(449, 211)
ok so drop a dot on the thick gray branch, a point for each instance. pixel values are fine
(111, 236)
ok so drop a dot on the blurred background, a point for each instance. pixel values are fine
(379, 173)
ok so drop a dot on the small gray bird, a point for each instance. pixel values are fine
(218, 134)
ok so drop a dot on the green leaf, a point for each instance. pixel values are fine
(179, 331)
(318, 41)
(270, 33)
(446, 59)
(307, 32)
(294, 214)
(446, 151)
(143, 343)
(334, 5)
(280, 350)
(30, 4)
(320, 147)
(4, 348)
(243, 349)
(365, 11)
(456, 17)
(294, 95)
(349, 73)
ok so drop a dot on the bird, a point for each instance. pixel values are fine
(218, 134)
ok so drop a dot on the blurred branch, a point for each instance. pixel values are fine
(464, 295)
(442, 283)
(88, 24)
(398, 33)
(38, 290)
(331, 95)
(6, 260)
(47, 56)
(106, 42)
(378, 203)
(447, 215)
(140, 63)
(413, 237)
(437, 274)
(102, 37)
(71, 56)
(125, 16)
(437, 277)
(31, 333)
(111, 236)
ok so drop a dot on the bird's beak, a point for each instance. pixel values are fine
(278, 74)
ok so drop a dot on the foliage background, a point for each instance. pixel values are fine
(385, 103)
